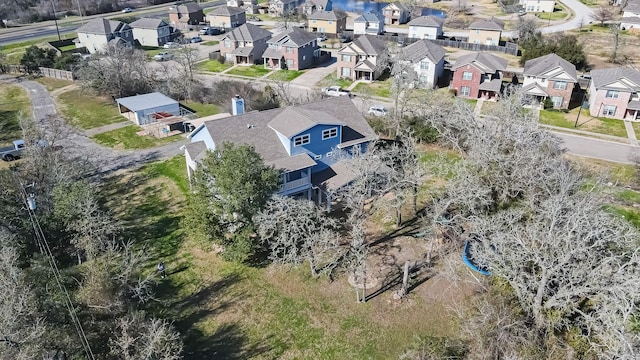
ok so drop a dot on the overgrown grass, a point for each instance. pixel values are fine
(87, 111)
(213, 66)
(52, 84)
(376, 88)
(629, 196)
(127, 138)
(331, 80)
(203, 109)
(249, 71)
(630, 214)
(210, 43)
(285, 75)
(15, 104)
(555, 118)
(26, 44)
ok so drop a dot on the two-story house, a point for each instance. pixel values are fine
(364, 59)
(426, 27)
(485, 32)
(151, 32)
(184, 15)
(613, 93)
(226, 17)
(292, 49)
(98, 33)
(311, 6)
(538, 6)
(396, 13)
(631, 15)
(249, 6)
(283, 7)
(368, 23)
(427, 60)
(329, 23)
(310, 143)
(245, 44)
(550, 76)
(478, 75)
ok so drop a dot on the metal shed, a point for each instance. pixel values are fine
(144, 109)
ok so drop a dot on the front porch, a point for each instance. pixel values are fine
(633, 110)
(490, 90)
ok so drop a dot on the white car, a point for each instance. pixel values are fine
(127, 10)
(377, 110)
(170, 45)
(336, 91)
(163, 56)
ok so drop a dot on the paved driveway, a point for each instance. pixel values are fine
(315, 75)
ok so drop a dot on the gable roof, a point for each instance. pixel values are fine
(227, 11)
(488, 63)
(544, 64)
(248, 32)
(292, 121)
(148, 23)
(397, 5)
(326, 4)
(335, 14)
(486, 25)
(603, 77)
(101, 26)
(295, 35)
(185, 8)
(146, 101)
(367, 17)
(427, 21)
(421, 49)
(370, 44)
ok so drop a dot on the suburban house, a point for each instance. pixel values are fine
(282, 7)
(310, 144)
(427, 60)
(292, 49)
(151, 32)
(329, 23)
(368, 23)
(250, 6)
(426, 27)
(631, 16)
(364, 59)
(396, 13)
(186, 14)
(541, 6)
(311, 6)
(613, 93)
(98, 33)
(245, 44)
(478, 75)
(226, 17)
(485, 32)
(550, 76)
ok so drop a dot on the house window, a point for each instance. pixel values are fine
(346, 72)
(329, 133)
(465, 91)
(609, 110)
(467, 75)
(301, 140)
(557, 101)
(346, 58)
(477, 31)
(227, 43)
(289, 50)
(560, 85)
(304, 57)
(330, 22)
(424, 65)
(317, 157)
(329, 154)
(612, 94)
(289, 63)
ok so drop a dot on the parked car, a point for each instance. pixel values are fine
(196, 39)
(12, 152)
(336, 91)
(322, 37)
(127, 10)
(205, 30)
(163, 56)
(344, 38)
(170, 45)
(377, 110)
(254, 18)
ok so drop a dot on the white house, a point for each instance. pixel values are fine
(427, 59)
(426, 27)
(545, 6)
(368, 23)
(151, 32)
(97, 33)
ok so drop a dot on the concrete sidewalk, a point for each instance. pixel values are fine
(631, 133)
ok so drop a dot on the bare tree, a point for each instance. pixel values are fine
(615, 30)
(603, 14)
(527, 27)
(186, 57)
(139, 338)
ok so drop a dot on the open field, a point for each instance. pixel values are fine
(87, 111)
(15, 105)
(126, 138)
(52, 84)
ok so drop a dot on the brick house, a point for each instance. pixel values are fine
(478, 75)
(485, 32)
(396, 13)
(613, 93)
(364, 59)
(186, 14)
(329, 23)
(245, 44)
(550, 76)
(292, 49)
(227, 17)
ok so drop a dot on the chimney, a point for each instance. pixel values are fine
(237, 105)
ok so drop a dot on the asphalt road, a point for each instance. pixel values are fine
(598, 149)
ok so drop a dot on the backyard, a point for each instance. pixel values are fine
(127, 138)
(87, 111)
(52, 84)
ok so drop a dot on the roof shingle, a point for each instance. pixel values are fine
(421, 49)
(248, 32)
(543, 64)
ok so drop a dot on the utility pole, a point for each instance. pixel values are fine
(55, 19)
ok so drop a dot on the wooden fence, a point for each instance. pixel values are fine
(508, 48)
(57, 74)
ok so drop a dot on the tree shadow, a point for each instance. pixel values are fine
(228, 342)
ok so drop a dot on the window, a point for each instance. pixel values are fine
(304, 57)
(467, 75)
(317, 157)
(301, 140)
(289, 50)
(560, 85)
(609, 110)
(227, 43)
(330, 22)
(424, 65)
(557, 101)
(346, 72)
(346, 58)
(477, 31)
(290, 63)
(329, 154)
(329, 133)
(465, 90)
(612, 94)
(314, 21)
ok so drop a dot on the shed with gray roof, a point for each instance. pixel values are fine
(147, 108)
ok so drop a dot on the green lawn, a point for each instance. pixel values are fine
(558, 14)
(126, 138)
(377, 88)
(285, 75)
(152, 51)
(15, 104)
(331, 80)
(567, 120)
(203, 109)
(67, 47)
(636, 128)
(87, 111)
(53, 84)
(630, 214)
(249, 71)
(555, 118)
(210, 43)
(213, 66)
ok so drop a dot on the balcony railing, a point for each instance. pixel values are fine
(294, 184)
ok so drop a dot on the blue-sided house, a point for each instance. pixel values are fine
(305, 142)
(148, 108)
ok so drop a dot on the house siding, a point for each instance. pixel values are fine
(227, 22)
(566, 94)
(360, 28)
(484, 37)
(394, 16)
(152, 37)
(457, 83)
(596, 107)
(330, 29)
(353, 60)
(424, 32)
(432, 74)
(318, 146)
(538, 5)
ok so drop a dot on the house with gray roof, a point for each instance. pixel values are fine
(613, 93)
(148, 108)
(396, 13)
(245, 44)
(283, 7)
(330, 23)
(552, 77)
(478, 75)
(485, 32)
(227, 17)
(366, 58)
(311, 6)
(368, 23)
(292, 49)
(151, 32)
(426, 27)
(427, 61)
(97, 33)
(309, 143)
(184, 15)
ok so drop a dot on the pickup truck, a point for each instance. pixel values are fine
(336, 91)
(13, 152)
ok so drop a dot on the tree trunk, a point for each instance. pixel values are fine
(537, 301)
(405, 279)
(398, 216)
